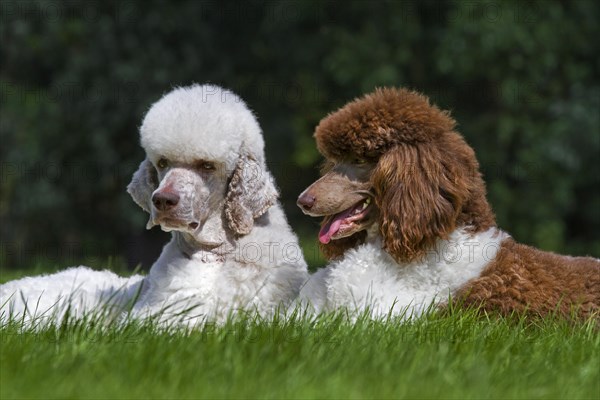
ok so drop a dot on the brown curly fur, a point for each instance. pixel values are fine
(426, 179)
(524, 279)
(335, 249)
(427, 183)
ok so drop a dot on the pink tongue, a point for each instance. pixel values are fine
(330, 229)
(333, 226)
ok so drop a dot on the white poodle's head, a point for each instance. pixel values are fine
(201, 122)
(205, 157)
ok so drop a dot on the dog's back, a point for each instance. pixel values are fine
(525, 279)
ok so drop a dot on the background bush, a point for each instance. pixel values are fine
(521, 78)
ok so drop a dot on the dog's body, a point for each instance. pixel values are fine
(204, 179)
(260, 272)
(369, 279)
(524, 279)
(73, 293)
(407, 224)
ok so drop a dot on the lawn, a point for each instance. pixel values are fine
(451, 355)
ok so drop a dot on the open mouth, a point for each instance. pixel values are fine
(347, 222)
(174, 224)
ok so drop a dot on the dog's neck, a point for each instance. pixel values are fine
(466, 238)
(373, 233)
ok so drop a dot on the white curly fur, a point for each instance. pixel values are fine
(231, 246)
(368, 279)
(75, 292)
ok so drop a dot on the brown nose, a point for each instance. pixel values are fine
(306, 201)
(164, 201)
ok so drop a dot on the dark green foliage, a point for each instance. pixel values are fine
(522, 79)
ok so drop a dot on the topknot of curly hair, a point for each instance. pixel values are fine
(370, 125)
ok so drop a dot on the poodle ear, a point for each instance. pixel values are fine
(250, 194)
(419, 197)
(143, 183)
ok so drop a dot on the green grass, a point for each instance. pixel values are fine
(455, 355)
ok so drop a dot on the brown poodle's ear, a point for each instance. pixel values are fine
(250, 194)
(143, 183)
(419, 197)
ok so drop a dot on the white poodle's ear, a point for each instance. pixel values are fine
(251, 192)
(143, 183)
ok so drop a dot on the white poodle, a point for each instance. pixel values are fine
(204, 179)
(74, 293)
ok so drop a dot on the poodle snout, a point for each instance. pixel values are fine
(165, 200)
(306, 201)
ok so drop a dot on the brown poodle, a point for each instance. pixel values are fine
(407, 222)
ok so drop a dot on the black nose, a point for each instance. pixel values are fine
(164, 201)
(306, 201)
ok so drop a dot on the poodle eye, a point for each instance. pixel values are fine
(162, 163)
(359, 161)
(206, 166)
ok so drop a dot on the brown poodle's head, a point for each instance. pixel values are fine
(394, 159)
